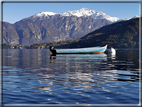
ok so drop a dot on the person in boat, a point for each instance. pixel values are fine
(52, 50)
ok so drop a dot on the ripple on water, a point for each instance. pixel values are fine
(34, 78)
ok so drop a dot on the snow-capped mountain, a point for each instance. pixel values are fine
(79, 13)
(50, 26)
(88, 12)
(45, 14)
(137, 16)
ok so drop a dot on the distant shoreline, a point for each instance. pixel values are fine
(42, 46)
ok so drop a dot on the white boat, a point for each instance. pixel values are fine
(91, 50)
(112, 51)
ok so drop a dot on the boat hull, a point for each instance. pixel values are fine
(83, 53)
(92, 50)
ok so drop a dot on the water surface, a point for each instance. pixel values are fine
(33, 76)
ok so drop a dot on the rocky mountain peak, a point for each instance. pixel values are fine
(79, 13)
(93, 13)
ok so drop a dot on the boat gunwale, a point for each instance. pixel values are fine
(82, 48)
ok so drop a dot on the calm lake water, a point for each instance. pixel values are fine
(32, 76)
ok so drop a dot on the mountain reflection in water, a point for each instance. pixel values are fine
(34, 76)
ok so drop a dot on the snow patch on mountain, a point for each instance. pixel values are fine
(45, 14)
(101, 15)
(88, 12)
(79, 13)
(137, 16)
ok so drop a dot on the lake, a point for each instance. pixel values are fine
(33, 76)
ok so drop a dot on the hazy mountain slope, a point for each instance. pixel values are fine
(124, 34)
(9, 34)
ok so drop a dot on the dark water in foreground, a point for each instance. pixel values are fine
(31, 76)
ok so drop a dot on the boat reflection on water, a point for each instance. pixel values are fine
(83, 55)
(91, 56)
(79, 63)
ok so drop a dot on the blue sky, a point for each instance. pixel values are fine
(13, 12)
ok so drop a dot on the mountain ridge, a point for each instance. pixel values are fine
(83, 12)
(49, 27)
(93, 13)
